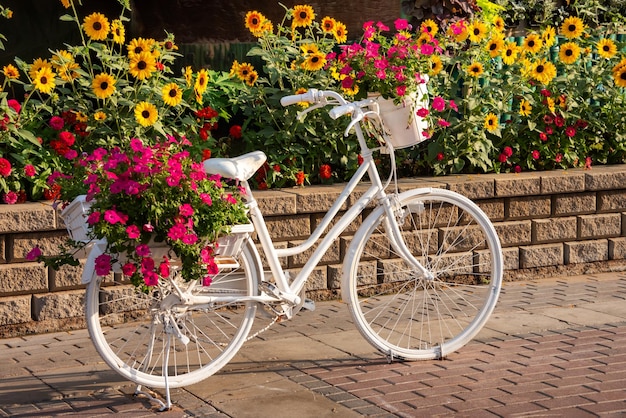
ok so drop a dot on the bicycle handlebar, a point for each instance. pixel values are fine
(311, 96)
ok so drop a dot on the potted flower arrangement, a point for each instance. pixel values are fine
(393, 67)
(144, 196)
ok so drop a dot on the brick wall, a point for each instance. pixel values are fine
(560, 222)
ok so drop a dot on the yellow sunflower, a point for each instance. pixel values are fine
(340, 32)
(142, 65)
(548, 36)
(10, 72)
(424, 38)
(37, 65)
(146, 114)
(491, 122)
(63, 63)
(606, 48)
(475, 69)
(619, 73)
(429, 26)
(477, 31)
(44, 80)
(532, 43)
(498, 24)
(254, 21)
(138, 45)
(103, 85)
(188, 74)
(251, 78)
(303, 16)
(118, 31)
(309, 49)
(315, 62)
(572, 27)
(509, 53)
(172, 94)
(569, 52)
(494, 46)
(96, 26)
(243, 70)
(435, 65)
(550, 104)
(525, 108)
(201, 81)
(99, 116)
(328, 24)
(81, 117)
(543, 71)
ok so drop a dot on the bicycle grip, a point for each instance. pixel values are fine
(338, 111)
(308, 97)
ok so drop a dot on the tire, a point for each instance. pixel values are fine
(410, 317)
(128, 327)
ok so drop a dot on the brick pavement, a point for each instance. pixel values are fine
(554, 347)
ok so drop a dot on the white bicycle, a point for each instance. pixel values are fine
(421, 276)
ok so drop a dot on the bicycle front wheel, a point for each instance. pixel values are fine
(412, 315)
(155, 337)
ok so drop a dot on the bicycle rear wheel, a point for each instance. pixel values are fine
(139, 334)
(404, 313)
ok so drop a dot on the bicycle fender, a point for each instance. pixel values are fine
(89, 270)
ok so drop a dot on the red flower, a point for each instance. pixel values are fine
(517, 169)
(440, 156)
(300, 178)
(235, 131)
(359, 159)
(204, 134)
(588, 163)
(207, 113)
(543, 136)
(68, 138)
(559, 121)
(54, 192)
(5, 167)
(570, 131)
(536, 154)
(262, 185)
(558, 158)
(508, 151)
(325, 172)
(276, 168)
(546, 93)
(502, 158)
(206, 154)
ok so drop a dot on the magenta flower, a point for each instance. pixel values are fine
(150, 278)
(230, 199)
(133, 232)
(570, 131)
(147, 265)
(439, 104)
(177, 232)
(401, 24)
(453, 105)
(113, 217)
(401, 90)
(186, 209)
(148, 227)
(29, 170)
(129, 269)
(56, 123)
(10, 197)
(34, 254)
(189, 239)
(164, 267)
(422, 112)
(508, 151)
(142, 250)
(103, 264)
(93, 218)
(535, 154)
(443, 123)
(206, 198)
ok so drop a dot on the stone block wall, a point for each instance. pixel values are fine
(549, 223)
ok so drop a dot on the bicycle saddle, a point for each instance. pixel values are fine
(238, 168)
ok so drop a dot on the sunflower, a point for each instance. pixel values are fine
(550, 104)
(254, 21)
(328, 24)
(619, 73)
(543, 71)
(548, 36)
(142, 65)
(572, 27)
(44, 80)
(188, 74)
(172, 94)
(494, 46)
(491, 122)
(96, 26)
(243, 70)
(424, 38)
(509, 53)
(475, 69)
(251, 78)
(37, 65)
(525, 108)
(498, 24)
(118, 31)
(435, 65)
(315, 61)
(532, 43)
(146, 113)
(477, 31)
(66, 3)
(303, 16)
(138, 45)
(103, 85)
(341, 33)
(569, 52)
(99, 116)
(201, 81)
(308, 49)
(429, 26)
(10, 72)
(606, 48)
(63, 63)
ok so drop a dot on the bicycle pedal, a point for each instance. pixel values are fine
(309, 305)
